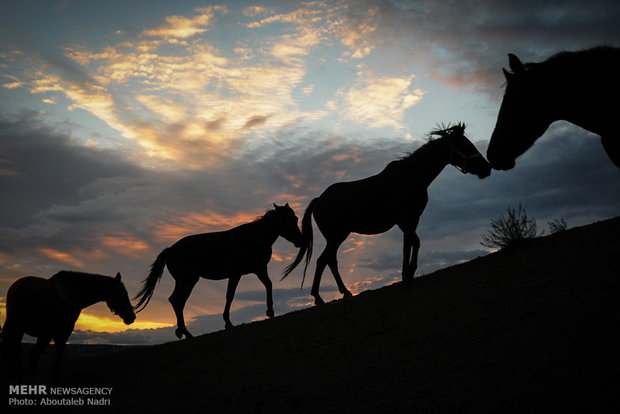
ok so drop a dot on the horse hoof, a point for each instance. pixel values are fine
(347, 295)
(318, 301)
(229, 325)
(180, 332)
(271, 314)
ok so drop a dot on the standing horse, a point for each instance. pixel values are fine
(221, 255)
(395, 196)
(49, 308)
(579, 87)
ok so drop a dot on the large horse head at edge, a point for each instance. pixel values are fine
(538, 94)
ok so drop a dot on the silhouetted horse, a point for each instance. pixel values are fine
(221, 255)
(48, 309)
(578, 87)
(395, 196)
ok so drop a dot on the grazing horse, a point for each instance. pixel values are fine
(579, 87)
(221, 255)
(395, 196)
(49, 308)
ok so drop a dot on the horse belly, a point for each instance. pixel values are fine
(371, 228)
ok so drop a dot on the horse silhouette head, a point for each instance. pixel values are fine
(119, 302)
(287, 224)
(463, 154)
(525, 114)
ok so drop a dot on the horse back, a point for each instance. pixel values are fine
(219, 255)
(371, 205)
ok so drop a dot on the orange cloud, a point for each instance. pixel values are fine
(125, 244)
(13, 85)
(183, 27)
(181, 225)
(61, 257)
(300, 16)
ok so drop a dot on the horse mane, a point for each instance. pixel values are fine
(591, 54)
(586, 58)
(441, 131)
(267, 214)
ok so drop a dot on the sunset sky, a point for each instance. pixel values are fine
(126, 125)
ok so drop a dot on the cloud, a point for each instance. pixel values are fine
(381, 102)
(301, 16)
(465, 44)
(183, 27)
(188, 92)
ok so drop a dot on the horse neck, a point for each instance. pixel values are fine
(85, 290)
(583, 105)
(265, 227)
(428, 161)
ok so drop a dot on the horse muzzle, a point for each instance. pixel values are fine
(485, 173)
(129, 319)
(503, 165)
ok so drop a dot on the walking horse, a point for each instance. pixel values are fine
(373, 205)
(221, 255)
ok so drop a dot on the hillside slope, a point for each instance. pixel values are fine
(527, 328)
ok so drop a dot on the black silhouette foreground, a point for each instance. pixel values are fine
(529, 329)
(579, 87)
(221, 255)
(48, 309)
(395, 196)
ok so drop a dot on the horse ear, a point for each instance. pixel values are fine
(515, 64)
(508, 75)
(276, 206)
(287, 205)
(118, 277)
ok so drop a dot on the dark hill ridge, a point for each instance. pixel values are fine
(522, 330)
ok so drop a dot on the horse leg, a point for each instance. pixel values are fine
(333, 266)
(406, 256)
(233, 281)
(321, 262)
(35, 353)
(415, 249)
(411, 247)
(328, 257)
(10, 349)
(60, 340)
(182, 290)
(263, 276)
(612, 147)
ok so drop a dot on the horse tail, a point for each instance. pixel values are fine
(157, 269)
(306, 242)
